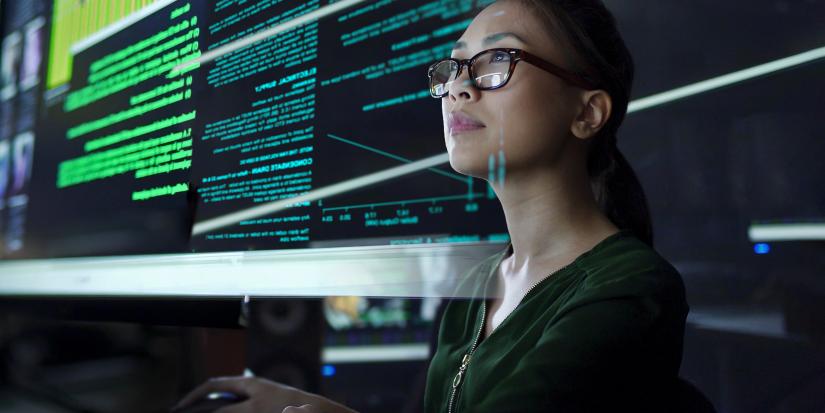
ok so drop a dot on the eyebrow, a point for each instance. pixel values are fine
(490, 39)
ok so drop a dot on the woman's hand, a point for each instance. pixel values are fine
(307, 408)
(263, 396)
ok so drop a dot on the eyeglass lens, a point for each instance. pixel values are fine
(490, 70)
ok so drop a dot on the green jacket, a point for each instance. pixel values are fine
(602, 334)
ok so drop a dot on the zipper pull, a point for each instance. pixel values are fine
(464, 362)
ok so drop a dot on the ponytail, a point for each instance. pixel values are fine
(621, 197)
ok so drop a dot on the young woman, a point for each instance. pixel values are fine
(578, 313)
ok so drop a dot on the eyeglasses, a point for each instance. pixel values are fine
(491, 69)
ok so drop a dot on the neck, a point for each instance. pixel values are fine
(551, 215)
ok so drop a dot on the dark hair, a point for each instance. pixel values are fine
(598, 51)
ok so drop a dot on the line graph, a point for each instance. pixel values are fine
(458, 177)
(432, 200)
(468, 180)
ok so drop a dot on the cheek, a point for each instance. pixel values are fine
(533, 124)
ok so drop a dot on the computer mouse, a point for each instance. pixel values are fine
(211, 402)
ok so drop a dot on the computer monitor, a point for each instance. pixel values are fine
(129, 153)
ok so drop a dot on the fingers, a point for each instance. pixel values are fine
(302, 409)
(249, 407)
(262, 396)
(238, 385)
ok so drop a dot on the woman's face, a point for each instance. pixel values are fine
(527, 122)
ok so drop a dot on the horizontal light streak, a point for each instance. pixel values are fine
(725, 80)
(786, 232)
(316, 194)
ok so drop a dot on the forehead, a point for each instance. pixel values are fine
(507, 17)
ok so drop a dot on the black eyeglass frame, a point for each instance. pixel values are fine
(516, 55)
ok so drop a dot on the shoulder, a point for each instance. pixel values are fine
(629, 268)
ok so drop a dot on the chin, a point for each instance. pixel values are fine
(470, 164)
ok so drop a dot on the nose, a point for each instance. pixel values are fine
(462, 88)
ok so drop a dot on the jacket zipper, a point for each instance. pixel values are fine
(465, 361)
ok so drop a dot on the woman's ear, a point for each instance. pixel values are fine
(594, 113)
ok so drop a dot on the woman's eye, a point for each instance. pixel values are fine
(497, 58)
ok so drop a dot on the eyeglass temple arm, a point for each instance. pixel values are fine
(558, 71)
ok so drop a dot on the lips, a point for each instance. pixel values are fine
(461, 122)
